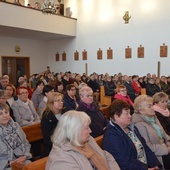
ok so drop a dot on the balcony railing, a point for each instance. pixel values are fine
(24, 22)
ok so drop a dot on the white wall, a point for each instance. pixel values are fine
(36, 50)
(100, 25)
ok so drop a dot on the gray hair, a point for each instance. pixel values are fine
(84, 90)
(69, 127)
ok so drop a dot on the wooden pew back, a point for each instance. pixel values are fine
(105, 110)
(99, 140)
(33, 132)
(104, 100)
(41, 163)
(143, 91)
(36, 165)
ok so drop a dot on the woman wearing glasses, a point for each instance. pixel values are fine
(151, 130)
(87, 105)
(121, 93)
(23, 109)
(50, 118)
(14, 145)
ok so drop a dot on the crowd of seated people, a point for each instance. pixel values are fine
(71, 91)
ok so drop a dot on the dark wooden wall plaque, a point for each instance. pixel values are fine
(163, 50)
(76, 55)
(99, 54)
(84, 55)
(128, 52)
(57, 56)
(140, 52)
(64, 56)
(109, 53)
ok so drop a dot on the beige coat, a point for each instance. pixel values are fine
(148, 132)
(69, 158)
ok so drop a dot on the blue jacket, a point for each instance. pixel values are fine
(69, 103)
(118, 143)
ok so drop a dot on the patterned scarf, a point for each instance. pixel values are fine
(11, 138)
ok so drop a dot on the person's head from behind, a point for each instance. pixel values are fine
(86, 95)
(120, 112)
(3, 97)
(22, 93)
(143, 104)
(121, 89)
(73, 127)
(161, 100)
(71, 90)
(4, 114)
(10, 90)
(48, 89)
(55, 102)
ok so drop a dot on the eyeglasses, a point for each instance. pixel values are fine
(88, 95)
(73, 89)
(123, 90)
(22, 93)
(59, 101)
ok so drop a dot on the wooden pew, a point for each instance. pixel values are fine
(105, 110)
(143, 91)
(41, 163)
(104, 100)
(36, 165)
(99, 140)
(33, 132)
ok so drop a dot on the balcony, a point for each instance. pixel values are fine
(22, 22)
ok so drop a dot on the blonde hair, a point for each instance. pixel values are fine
(139, 102)
(159, 96)
(69, 127)
(50, 102)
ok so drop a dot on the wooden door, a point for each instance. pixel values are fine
(15, 67)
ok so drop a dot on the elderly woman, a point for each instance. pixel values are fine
(3, 99)
(125, 143)
(13, 142)
(151, 129)
(86, 104)
(160, 101)
(23, 109)
(50, 118)
(121, 93)
(74, 148)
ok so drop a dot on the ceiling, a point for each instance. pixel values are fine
(28, 34)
